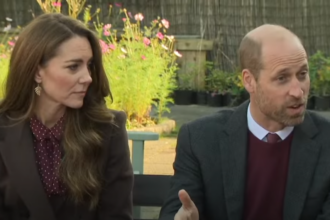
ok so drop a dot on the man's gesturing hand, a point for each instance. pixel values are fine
(188, 210)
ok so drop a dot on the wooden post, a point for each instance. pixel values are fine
(193, 58)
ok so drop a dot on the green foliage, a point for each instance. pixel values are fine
(4, 63)
(218, 81)
(221, 82)
(186, 80)
(141, 67)
(192, 74)
(7, 41)
(236, 84)
(319, 68)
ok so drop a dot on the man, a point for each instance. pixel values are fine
(268, 159)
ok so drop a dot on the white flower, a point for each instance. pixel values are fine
(123, 50)
(163, 46)
(7, 28)
(177, 54)
(138, 17)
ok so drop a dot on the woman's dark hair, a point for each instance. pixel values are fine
(80, 169)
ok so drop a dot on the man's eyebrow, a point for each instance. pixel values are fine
(283, 71)
(287, 70)
(304, 67)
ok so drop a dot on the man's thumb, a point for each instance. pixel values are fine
(184, 197)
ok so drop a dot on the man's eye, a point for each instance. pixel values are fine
(281, 78)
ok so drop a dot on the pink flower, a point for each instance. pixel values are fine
(112, 46)
(138, 17)
(130, 14)
(143, 57)
(104, 46)
(107, 27)
(146, 41)
(166, 23)
(177, 53)
(106, 33)
(155, 21)
(119, 5)
(124, 19)
(160, 35)
(57, 4)
(3, 56)
(11, 43)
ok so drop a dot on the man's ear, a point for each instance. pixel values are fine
(249, 81)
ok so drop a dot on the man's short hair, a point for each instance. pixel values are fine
(250, 56)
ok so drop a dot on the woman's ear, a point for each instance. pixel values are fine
(38, 75)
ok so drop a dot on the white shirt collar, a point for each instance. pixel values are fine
(260, 132)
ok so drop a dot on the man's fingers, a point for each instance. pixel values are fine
(187, 203)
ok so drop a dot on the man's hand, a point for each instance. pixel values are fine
(188, 210)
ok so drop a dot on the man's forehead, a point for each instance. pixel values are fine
(285, 48)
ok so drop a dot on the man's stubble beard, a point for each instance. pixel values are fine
(276, 113)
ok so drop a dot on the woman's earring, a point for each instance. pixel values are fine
(38, 90)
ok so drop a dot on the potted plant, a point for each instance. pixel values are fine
(320, 78)
(184, 94)
(201, 93)
(216, 84)
(239, 94)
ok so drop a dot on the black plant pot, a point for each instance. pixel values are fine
(214, 99)
(184, 97)
(201, 98)
(194, 97)
(322, 103)
(226, 99)
(311, 103)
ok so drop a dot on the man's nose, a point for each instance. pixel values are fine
(296, 90)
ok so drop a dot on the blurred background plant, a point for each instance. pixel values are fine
(319, 72)
(141, 66)
(7, 42)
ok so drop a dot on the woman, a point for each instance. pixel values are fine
(64, 155)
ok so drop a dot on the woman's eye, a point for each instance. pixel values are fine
(73, 67)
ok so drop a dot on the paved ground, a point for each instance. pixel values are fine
(159, 155)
